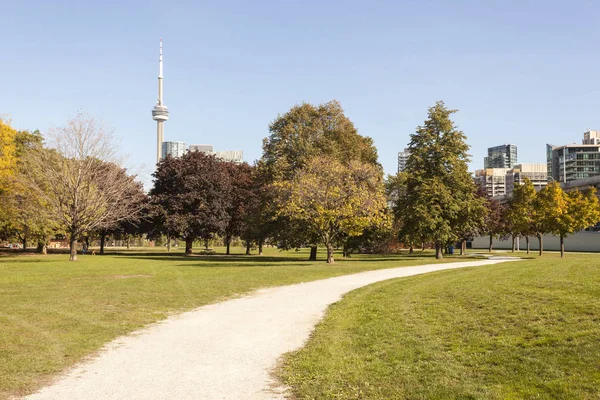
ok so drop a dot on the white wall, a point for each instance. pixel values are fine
(581, 241)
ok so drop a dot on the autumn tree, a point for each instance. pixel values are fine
(304, 132)
(192, 194)
(582, 211)
(549, 207)
(519, 214)
(494, 222)
(438, 187)
(334, 199)
(78, 180)
(8, 149)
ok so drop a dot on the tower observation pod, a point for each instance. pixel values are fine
(160, 113)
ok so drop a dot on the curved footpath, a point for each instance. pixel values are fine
(220, 351)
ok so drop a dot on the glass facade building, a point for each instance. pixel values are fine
(173, 149)
(503, 156)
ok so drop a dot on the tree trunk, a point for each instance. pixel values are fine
(42, 248)
(313, 253)
(562, 246)
(188, 246)
(463, 247)
(260, 246)
(491, 243)
(24, 244)
(248, 248)
(227, 244)
(205, 243)
(422, 246)
(168, 243)
(72, 248)
(128, 241)
(411, 250)
(540, 240)
(527, 242)
(438, 251)
(513, 243)
(102, 242)
(329, 254)
(345, 251)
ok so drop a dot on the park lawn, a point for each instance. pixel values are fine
(53, 313)
(518, 330)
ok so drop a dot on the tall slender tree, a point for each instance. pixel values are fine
(439, 186)
(519, 215)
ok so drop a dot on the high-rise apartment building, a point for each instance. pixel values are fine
(536, 173)
(503, 156)
(502, 181)
(173, 149)
(493, 180)
(591, 137)
(575, 161)
(236, 156)
(205, 148)
(403, 159)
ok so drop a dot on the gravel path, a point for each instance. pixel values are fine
(220, 351)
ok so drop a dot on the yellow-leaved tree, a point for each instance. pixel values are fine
(334, 199)
(8, 149)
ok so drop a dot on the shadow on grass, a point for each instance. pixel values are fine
(217, 258)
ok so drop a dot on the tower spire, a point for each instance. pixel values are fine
(160, 113)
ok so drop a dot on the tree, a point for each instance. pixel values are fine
(438, 187)
(520, 213)
(240, 200)
(494, 223)
(304, 132)
(79, 179)
(582, 211)
(334, 199)
(8, 149)
(192, 194)
(550, 206)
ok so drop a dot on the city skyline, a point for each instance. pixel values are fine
(231, 74)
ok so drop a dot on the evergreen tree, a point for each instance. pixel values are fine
(438, 186)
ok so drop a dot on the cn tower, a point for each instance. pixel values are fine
(160, 113)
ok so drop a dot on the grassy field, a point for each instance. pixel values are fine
(53, 313)
(524, 330)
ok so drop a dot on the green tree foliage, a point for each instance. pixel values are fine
(192, 196)
(520, 213)
(582, 211)
(304, 132)
(334, 199)
(307, 131)
(439, 187)
(551, 205)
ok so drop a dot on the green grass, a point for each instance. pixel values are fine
(54, 313)
(523, 330)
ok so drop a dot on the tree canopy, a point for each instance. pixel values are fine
(439, 187)
(334, 199)
(192, 194)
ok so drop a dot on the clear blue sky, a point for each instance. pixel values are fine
(522, 72)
